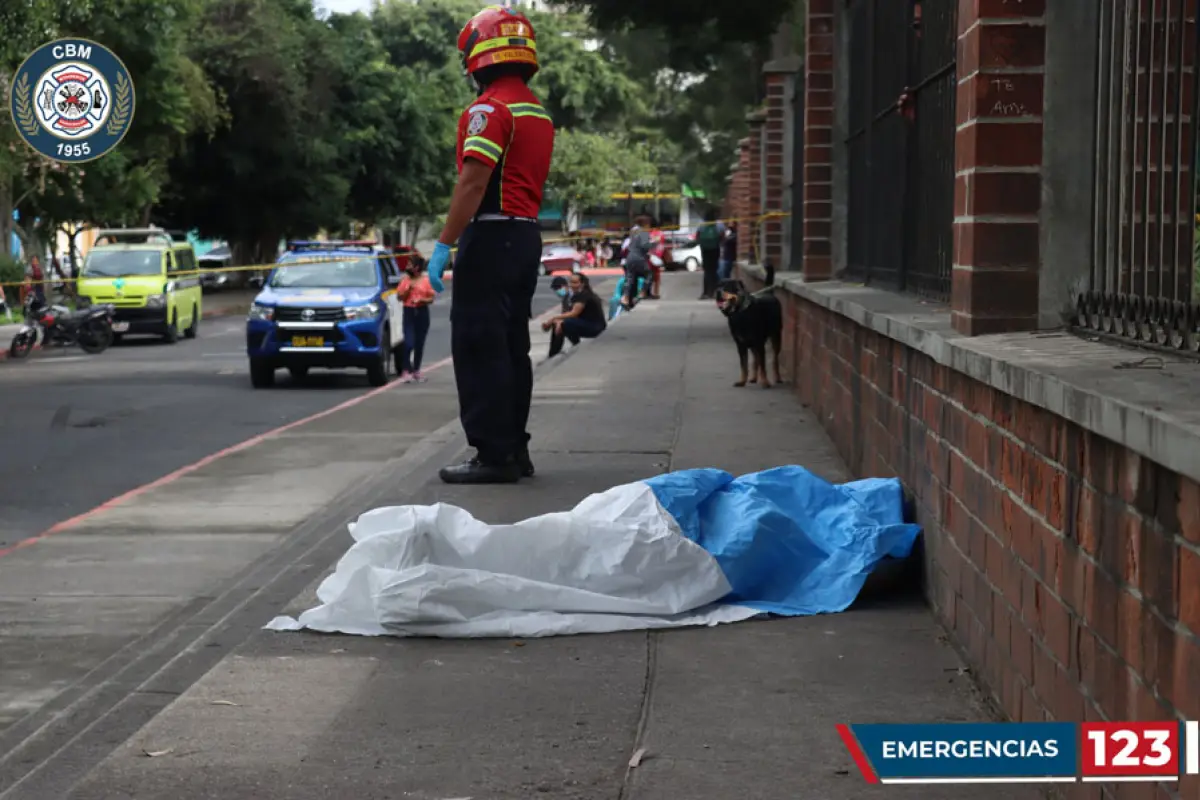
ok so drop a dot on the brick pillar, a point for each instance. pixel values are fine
(743, 204)
(817, 264)
(756, 186)
(998, 162)
(777, 161)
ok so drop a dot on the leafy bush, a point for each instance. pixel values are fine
(11, 272)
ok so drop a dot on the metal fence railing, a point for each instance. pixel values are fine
(1142, 278)
(901, 144)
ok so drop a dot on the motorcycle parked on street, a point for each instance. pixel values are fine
(90, 328)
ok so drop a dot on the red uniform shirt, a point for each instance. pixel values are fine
(507, 128)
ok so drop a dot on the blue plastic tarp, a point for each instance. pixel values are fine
(789, 542)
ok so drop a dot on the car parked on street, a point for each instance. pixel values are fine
(219, 258)
(560, 258)
(684, 252)
(330, 305)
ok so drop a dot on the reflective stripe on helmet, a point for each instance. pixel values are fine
(495, 44)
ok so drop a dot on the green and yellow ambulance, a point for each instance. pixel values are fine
(150, 276)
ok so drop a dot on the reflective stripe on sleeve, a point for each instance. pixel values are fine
(482, 146)
(529, 110)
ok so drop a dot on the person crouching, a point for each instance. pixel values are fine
(583, 320)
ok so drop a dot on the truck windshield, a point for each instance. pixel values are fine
(356, 273)
(119, 263)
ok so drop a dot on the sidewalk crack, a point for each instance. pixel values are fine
(681, 398)
(639, 736)
(652, 637)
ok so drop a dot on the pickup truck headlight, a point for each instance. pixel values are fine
(367, 311)
(261, 312)
(156, 301)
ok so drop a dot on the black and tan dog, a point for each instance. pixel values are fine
(754, 320)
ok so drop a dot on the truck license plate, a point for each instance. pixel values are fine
(308, 341)
(120, 327)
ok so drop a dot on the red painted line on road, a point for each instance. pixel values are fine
(204, 462)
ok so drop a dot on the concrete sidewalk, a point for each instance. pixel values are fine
(742, 711)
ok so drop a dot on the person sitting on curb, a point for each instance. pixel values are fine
(560, 286)
(584, 320)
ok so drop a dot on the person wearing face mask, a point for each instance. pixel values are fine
(559, 285)
(505, 143)
(582, 317)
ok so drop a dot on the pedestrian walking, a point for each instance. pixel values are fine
(505, 143)
(729, 247)
(417, 295)
(709, 239)
(37, 279)
(658, 256)
(637, 260)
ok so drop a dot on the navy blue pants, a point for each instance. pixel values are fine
(491, 303)
(416, 328)
(573, 330)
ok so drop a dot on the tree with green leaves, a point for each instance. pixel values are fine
(695, 31)
(590, 167)
(258, 120)
(273, 167)
(174, 100)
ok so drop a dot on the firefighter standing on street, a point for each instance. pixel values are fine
(505, 142)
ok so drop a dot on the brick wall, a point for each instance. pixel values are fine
(1055, 556)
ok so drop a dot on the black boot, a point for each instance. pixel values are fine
(476, 471)
(525, 463)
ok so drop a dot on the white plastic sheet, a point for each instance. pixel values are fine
(617, 561)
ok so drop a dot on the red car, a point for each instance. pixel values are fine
(560, 258)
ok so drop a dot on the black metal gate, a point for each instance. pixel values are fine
(1146, 253)
(901, 144)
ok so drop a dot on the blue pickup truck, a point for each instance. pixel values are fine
(329, 305)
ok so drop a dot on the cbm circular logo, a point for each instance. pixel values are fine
(72, 100)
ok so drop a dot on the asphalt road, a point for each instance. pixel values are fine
(78, 430)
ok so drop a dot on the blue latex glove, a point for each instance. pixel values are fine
(437, 265)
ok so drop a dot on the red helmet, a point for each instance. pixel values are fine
(497, 35)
